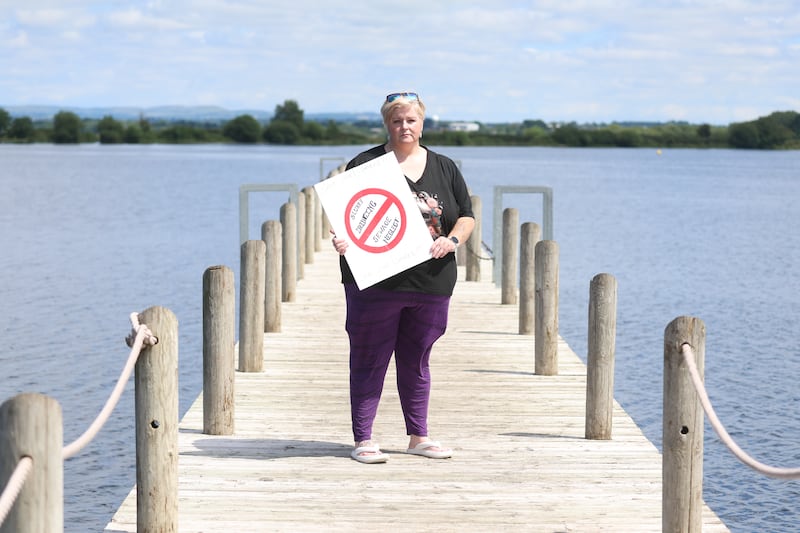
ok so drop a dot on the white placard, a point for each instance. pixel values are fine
(372, 207)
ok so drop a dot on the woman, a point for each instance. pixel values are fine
(406, 313)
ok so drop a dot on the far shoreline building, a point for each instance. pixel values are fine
(463, 126)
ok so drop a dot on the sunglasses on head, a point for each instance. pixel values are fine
(409, 96)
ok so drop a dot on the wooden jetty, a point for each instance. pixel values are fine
(521, 461)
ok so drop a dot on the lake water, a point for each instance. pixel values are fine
(91, 233)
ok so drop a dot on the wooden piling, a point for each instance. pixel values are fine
(219, 324)
(252, 294)
(271, 234)
(508, 293)
(320, 232)
(311, 226)
(474, 248)
(289, 252)
(325, 233)
(682, 430)
(530, 233)
(301, 234)
(31, 425)
(600, 356)
(156, 399)
(546, 335)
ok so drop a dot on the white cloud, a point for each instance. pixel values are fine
(750, 51)
(54, 18)
(745, 113)
(792, 103)
(20, 40)
(674, 112)
(71, 35)
(134, 19)
(197, 35)
(704, 60)
(42, 17)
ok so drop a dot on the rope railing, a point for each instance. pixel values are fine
(767, 470)
(140, 335)
(14, 486)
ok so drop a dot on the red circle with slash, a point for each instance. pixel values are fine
(375, 220)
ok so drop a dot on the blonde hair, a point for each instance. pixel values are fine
(401, 102)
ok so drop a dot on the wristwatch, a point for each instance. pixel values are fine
(455, 240)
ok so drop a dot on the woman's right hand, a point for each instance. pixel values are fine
(340, 245)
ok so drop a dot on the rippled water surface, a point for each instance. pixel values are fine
(91, 233)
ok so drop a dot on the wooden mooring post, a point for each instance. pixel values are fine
(31, 426)
(301, 235)
(156, 399)
(508, 292)
(319, 221)
(271, 234)
(252, 292)
(682, 430)
(600, 356)
(289, 252)
(546, 335)
(474, 248)
(311, 224)
(530, 233)
(219, 322)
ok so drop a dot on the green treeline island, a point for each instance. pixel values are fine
(287, 126)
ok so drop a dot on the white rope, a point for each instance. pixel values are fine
(15, 483)
(139, 336)
(771, 471)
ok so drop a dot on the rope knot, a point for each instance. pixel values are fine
(137, 328)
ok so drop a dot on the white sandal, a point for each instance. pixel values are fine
(375, 454)
(422, 449)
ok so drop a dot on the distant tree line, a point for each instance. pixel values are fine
(287, 126)
(779, 130)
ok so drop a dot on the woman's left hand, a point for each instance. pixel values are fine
(441, 247)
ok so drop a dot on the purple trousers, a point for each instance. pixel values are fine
(379, 323)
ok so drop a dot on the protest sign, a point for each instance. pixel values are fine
(372, 207)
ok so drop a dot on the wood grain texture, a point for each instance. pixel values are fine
(521, 461)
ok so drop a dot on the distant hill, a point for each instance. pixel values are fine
(174, 113)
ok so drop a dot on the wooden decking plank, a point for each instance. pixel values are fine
(520, 462)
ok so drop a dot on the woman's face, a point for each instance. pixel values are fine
(405, 125)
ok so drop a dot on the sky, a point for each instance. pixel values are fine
(701, 61)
